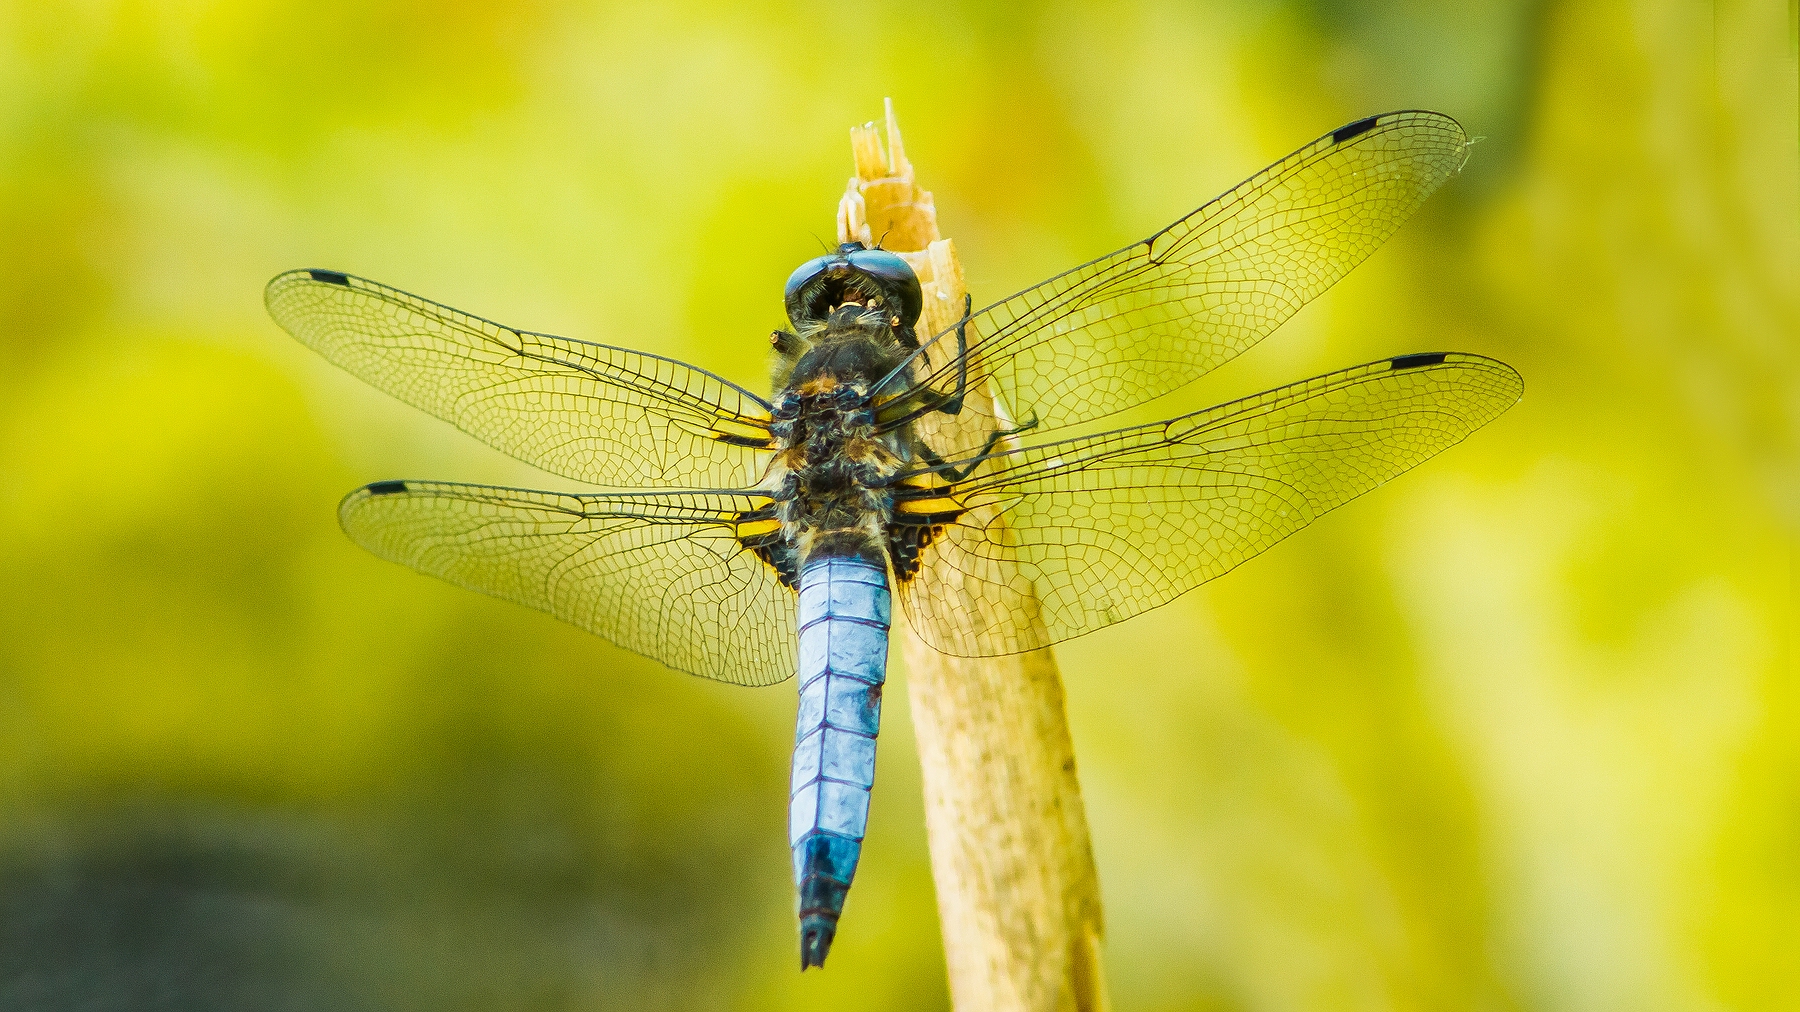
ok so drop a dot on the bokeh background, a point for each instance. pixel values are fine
(1517, 731)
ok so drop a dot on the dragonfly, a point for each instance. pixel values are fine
(750, 539)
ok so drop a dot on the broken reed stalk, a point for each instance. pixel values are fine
(1018, 898)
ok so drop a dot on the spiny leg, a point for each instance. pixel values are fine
(952, 475)
(949, 403)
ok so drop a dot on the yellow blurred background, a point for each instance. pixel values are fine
(1517, 731)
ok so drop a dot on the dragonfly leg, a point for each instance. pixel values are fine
(953, 475)
(949, 403)
(954, 404)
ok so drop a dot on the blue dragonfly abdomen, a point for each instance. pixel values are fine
(844, 616)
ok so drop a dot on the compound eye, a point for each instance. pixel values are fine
(804, 273)
(895, 277)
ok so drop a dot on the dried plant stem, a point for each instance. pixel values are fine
(1017, 894)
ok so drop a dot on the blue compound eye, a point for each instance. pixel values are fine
(897, 280)
(852, 273)
(883, 264)
(802, 274)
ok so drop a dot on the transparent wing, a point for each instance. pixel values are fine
(1138, 323)
(663, 574)
(591, 412)
(1062, 539)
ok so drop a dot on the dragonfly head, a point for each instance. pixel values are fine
(854, 274)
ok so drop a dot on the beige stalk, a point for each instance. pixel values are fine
(1017, 894)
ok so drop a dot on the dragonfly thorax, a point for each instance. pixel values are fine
(832, 467)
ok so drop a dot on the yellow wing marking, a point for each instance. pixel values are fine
(945, 504)
(744, 529)
(736, 430)
(742, 431)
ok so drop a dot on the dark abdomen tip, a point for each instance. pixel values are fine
(816, 934)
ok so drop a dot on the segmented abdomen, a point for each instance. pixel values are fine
(844, 616)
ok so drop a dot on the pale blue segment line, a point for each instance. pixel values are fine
(845, 756)
(803, 812)
(843, 808)
(808, 755)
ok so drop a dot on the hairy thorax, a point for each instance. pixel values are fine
(832, 470)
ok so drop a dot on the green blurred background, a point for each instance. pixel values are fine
(1517, 731)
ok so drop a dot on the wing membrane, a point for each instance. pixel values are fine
(1062, 539)
(591, 412)
(662, 574)
(1138, 323)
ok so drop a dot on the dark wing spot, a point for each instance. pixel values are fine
(1415, 361)
(1361, 126)
(330, 278)
(387, 487)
